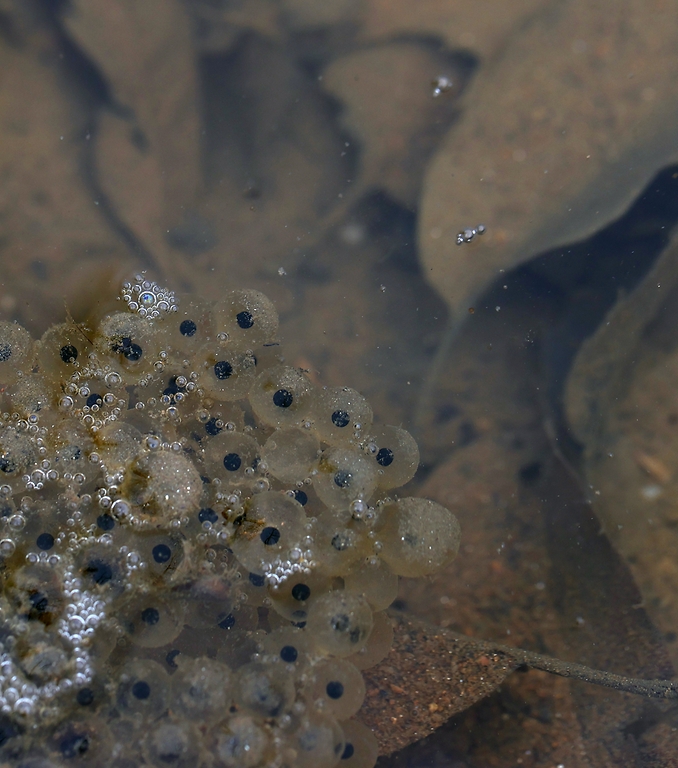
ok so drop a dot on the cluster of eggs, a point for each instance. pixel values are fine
(197, 545)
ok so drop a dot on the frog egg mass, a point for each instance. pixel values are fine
(197, 545)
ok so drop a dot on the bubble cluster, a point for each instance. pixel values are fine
(468, 234)
(197, 545)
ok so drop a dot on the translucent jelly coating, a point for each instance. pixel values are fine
(360, 748)
(196, 542)
(418, 536)
(337, 688)
(17, 350)
(338, 414)
(340, 623)
(247, 318)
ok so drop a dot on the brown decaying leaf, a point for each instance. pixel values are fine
(145, 51)
(507, 544)
(480, 25)
(622, 405)
(533, 572)
(52, 233)
(559, 135)
(427, 677)
(388, 107)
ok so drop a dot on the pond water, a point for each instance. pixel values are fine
(296, 148)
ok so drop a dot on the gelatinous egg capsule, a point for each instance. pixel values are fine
(18, 451)
(163, 484)
(162, 553)
(185, 331)
(395, 454)
(378, 643)
(63, 350)
(339, 623)
(150, 621)
(288, 644)
(231, 456)
(210, 603)
(246, 318)
(143, 690)
(340, 542)
(338, 414)
(375, 581)
(318, 742)
(17, 352)
(338, 688)
(32, 396)
(227, 374)
(271, 527)
(239, 742)
(345, 474)
(291, 454)
(201, 689)
(280, 396)
(418, 536)
(128, 341)
(171, 742)
(263, 689)
(293, 597)
(361, 748)
(80, 740)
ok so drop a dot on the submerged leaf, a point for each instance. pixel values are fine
(623, 407)
(559, 135)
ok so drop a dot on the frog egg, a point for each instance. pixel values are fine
(231, 456)
(293, 597)
(340, 544)
(338, 688)
(164, 484)
(345, 474)
(290, 454)
(375, 581)
(201, 689)
(36, 593)
(81, 740)
(318, 742)
(239, 742)
(266, 690)
(419, 536)
(17, 451)
(289, 644)
(395, 454)
(117, 444)
(209, 602)
(100, 567)
(247, 317)
(280, 396)
(336, 411)
(161, 553)
(171, 743)
(361, 748)
(339, 623)
(70, 445)
(378, 644)
(215, 417)
(227, 374)
(17, 351)
(188, 329)
(273, 524)
(31, 395)
(149, 621)
(62, 350)
(143, 690)
(129, 341)
(40, 659)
